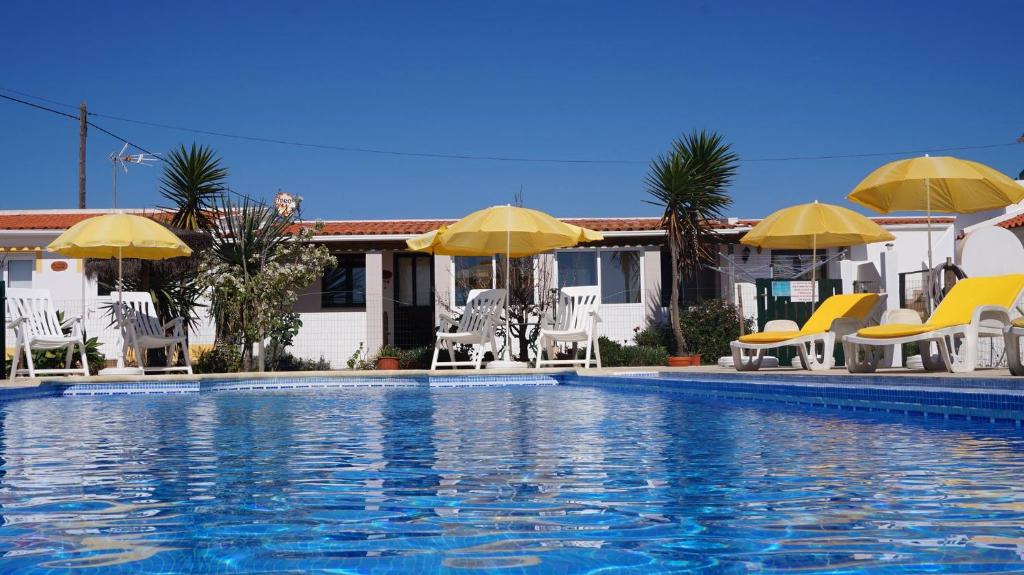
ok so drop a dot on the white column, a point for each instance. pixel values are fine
(652, 284)
(442, 285)
(889, 263)
(374, 301)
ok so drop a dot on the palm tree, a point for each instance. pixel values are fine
(689, 183)
(192, 181)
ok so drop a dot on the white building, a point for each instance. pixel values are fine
(379, 293)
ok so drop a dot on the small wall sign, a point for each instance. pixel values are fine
(59, 266)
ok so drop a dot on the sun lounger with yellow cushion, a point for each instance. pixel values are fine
(974, 308)
(836, 316)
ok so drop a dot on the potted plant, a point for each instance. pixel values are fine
(387, 358)
(689, 184)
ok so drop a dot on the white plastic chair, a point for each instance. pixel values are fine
(35, 325)
(141, 330)
(476, 328)
(576, 322)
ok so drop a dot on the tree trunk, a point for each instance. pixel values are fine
(673, 312)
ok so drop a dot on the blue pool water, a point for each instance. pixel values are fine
(511, 480)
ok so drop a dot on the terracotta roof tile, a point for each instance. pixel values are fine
(57, 220)
(62, 220)
(1014, 222)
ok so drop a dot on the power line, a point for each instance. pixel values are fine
(119, 138)
(382, 151)
(100, 128)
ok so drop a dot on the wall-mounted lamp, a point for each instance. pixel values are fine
(746, 254)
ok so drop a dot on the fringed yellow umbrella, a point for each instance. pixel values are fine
(812, 226)
(119, 236)
(936, 184)
(513, 231)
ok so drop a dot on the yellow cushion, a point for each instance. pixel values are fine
(769, 336)
(891, 330)
(1019, 322)
(957, 308)
(853, 305)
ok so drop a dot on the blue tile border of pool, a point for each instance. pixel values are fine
(934, 399)
(975, 399)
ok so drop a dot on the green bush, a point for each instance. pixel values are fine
(416, 357)
(222, 358)
(614, 354)
(709, 326)
(652, 336)
(288, 362)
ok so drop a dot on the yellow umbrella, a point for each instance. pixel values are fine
(814, 226)
(119, 236)
(510, 230)
(936, 184)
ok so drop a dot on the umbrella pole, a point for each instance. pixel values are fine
(120, 306)
(814, 272)
(508, 284)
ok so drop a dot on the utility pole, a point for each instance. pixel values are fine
(83, 128)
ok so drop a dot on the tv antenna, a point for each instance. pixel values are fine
(123, 158)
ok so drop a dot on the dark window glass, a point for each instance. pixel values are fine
(345, 284)
(620, 277)
(472, 272)
(577, 269)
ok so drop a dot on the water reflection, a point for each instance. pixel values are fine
(545, 479)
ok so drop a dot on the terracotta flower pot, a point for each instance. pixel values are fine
(679, 361)
(695, 359)
(387, 363)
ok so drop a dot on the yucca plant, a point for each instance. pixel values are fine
(193, 181)
(256, 269)
(689, 184)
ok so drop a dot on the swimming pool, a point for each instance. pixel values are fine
(560, 479)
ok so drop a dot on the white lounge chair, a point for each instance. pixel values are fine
(476, 328)
(974, 308)
(34, 321)
(576, 322)
(141, 330)
(836, 316)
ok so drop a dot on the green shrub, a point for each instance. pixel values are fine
(652, 336)
(288, 362)
(614, 354)
(222, 358)
(416, 357)
(710, 325)
(642, 356)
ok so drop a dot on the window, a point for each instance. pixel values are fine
(472, 272)
(577, 269)
(415, 280)
(522, 288)
(692, 290)
(345, 284)
(19, 273)
(620, 276)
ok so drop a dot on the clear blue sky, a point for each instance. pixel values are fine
(591, 80)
